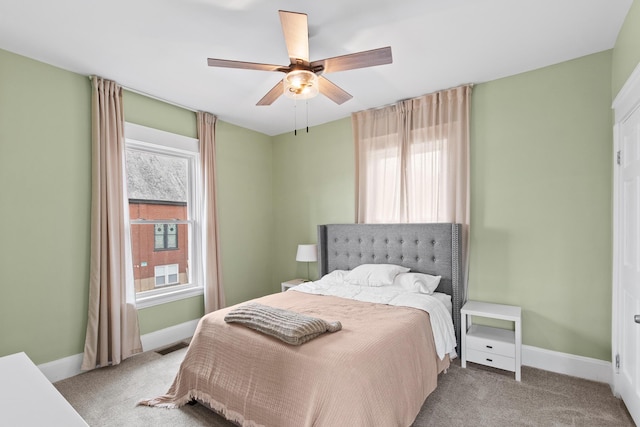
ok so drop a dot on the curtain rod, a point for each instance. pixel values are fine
(157, 98)
(414, 97)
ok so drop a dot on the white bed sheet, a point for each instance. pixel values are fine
(436, 305)
(444, 299)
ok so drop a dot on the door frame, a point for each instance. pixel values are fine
(625, 103)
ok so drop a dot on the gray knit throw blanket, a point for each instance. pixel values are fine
(288, 326)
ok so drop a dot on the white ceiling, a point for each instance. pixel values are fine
(160, 47)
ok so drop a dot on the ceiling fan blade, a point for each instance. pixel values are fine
(245, 65)
(273, 94)
(296, 35)
(333, 92)
(368, 58)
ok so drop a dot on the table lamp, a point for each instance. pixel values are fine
(307, 253)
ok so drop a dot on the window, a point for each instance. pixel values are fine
(404, 188)
(166, 274)
(163, 187)
(165, 237)
(413, 159)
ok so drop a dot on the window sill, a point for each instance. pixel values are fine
(166, 297)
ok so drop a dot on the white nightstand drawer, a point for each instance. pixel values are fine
(491, 340)
(494, 360)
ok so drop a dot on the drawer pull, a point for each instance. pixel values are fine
(489, 346)
(489, 360)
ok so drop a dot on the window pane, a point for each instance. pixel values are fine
(159, 271)
(172, 241)
(172, 236)
(157, 185)
(159, 242)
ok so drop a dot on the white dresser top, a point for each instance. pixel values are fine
(27, 398)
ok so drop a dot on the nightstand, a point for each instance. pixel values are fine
(496, 347)
(291, 284)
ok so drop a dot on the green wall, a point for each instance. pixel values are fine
(541, 150)
(145, 111)
(45, 191)
(245, 200)
(45, 201)
(314, 183)
(626, 53)
(541, 199)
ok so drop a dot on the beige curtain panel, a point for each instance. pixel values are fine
(112, 326)
(213, 289)
(412, 161)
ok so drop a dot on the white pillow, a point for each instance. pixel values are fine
(417, 282)
(374, 274)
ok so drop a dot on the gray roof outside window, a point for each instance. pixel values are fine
(156, 177)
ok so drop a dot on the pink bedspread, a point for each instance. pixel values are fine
(376, 371)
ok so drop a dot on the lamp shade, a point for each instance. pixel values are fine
(307, 253)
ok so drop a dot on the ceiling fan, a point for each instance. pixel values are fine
(305, 79)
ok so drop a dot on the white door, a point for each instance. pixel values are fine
(628, 290)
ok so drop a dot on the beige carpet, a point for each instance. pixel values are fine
(465, 397)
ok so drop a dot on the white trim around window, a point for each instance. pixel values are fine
(153, 140)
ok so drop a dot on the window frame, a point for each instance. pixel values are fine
(155, 141)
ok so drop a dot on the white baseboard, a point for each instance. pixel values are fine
(60, 369)
(548, 360)
(67, 367)
(568, 364)
(170, 335)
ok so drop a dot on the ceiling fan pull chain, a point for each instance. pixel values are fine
(307, 105)
(295, 117)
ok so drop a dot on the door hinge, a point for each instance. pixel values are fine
(619, 157)
(617, 361)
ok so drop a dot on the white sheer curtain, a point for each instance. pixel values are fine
(112, 326)
(412, 161)
(213, 289)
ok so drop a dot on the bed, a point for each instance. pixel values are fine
(377, 370)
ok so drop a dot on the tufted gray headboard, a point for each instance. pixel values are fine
(425, 248)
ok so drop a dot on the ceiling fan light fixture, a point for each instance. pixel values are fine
(300, 84)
